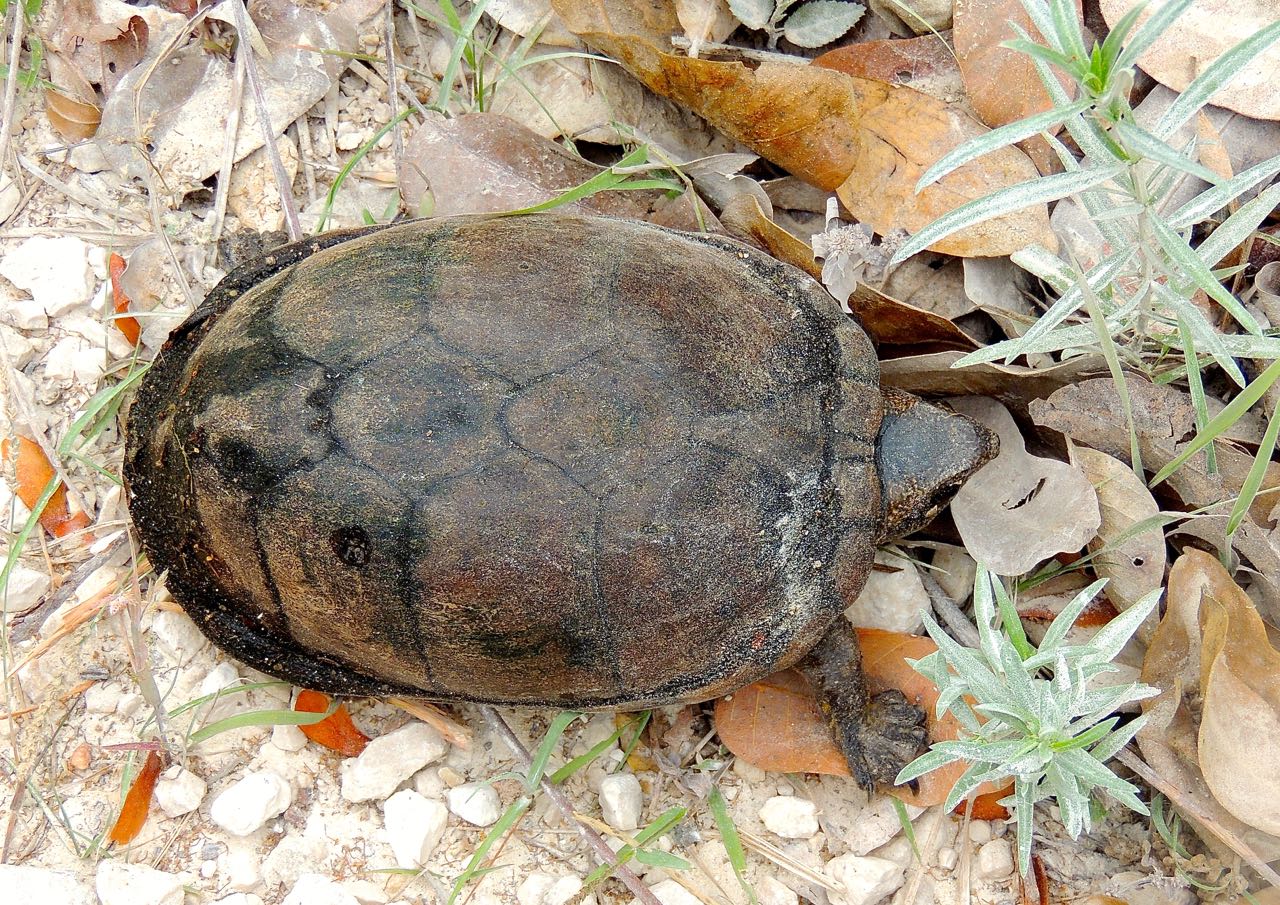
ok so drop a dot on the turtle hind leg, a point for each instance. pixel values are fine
(878, 734)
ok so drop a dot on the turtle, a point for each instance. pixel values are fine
(548, 460)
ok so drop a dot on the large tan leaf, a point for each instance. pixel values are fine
(1215, 720)
(1203, 32)
(867, 140)
(1130, 557)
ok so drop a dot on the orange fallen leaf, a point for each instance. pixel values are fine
(72, 119)
(33, 473)
(137, 803)
(336, 731)
(120, 300)
(867, 140)
(899, 61)
(776, 724)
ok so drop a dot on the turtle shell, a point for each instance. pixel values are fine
(545, 459)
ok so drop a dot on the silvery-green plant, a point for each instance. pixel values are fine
(1034, 715)
(1136, 301)
(814, 24)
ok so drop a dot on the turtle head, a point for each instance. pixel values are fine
(923, 454)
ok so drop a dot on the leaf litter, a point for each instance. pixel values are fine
(536, 113)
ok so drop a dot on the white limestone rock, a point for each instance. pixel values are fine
(790, 817)
(415, 825)
(389, 760)
(251, 802)
(476, 803)
(621, 801)
(118, 883)
(179, 791)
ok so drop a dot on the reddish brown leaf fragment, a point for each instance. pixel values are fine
(33, 473)
(137, 803)
(336, 731)
(120, 300)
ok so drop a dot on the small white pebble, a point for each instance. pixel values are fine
(178, 638)
(414, 827)
(55, 270)
(288, 738)
(948, 858)
(179, 791)
(748, 771)
(790, 817)
(476, 803)
(208, 869)
(994, 860)
(669, 892)
(540, 888)
(979, 831)
(251, 802)
(102, 697)
(866, 880)
(118, 883)
(240, 898)
(621, 801)
(313, 889)
(389, 760)
(129, 704)
(244, 867)
(772, 891)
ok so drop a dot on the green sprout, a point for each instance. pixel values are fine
(1052, 735)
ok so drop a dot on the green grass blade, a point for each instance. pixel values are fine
(1196, 385)
(1207, 83)
(1258, 471)
(1199, 273)
(595, 751)
(998, 138)
(1150, 30)
(1004, 201)
(510, 817)
(263, 718)
(1229, 415)
(538, 764)
(1238, 227)
(1214, 199)
(731, 841)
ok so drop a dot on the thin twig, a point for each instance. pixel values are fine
(603, 853)
(292, 224)
(11, 83)
(1190, 807)
(393, 81)
(229, 136)
(948, 611)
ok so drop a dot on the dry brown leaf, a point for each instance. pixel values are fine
(1090, 412)
(868, 140)
(73, 120)
(1002, 84)
(1204, 31)
(1134, 565)
(886, 320)
(924, 63)
(1020, 509)
(1014, 386)
(1233, 673)
(703, 21)
(103, 41)
(485, 163)
(776, 723)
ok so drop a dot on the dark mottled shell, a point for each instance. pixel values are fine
(544, 459)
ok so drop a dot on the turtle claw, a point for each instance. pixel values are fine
(892, 735)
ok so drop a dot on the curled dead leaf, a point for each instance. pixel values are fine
(116, 267)
(336, 731)
(923, 63)
(33, 473)
(137, 801)
(886, 320)
(868, 140)
(72, 119)
(1212, 648)
(1020, 509)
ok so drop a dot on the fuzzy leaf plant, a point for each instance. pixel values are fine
(1034, 715)
(1138, 299)
(813, 24)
